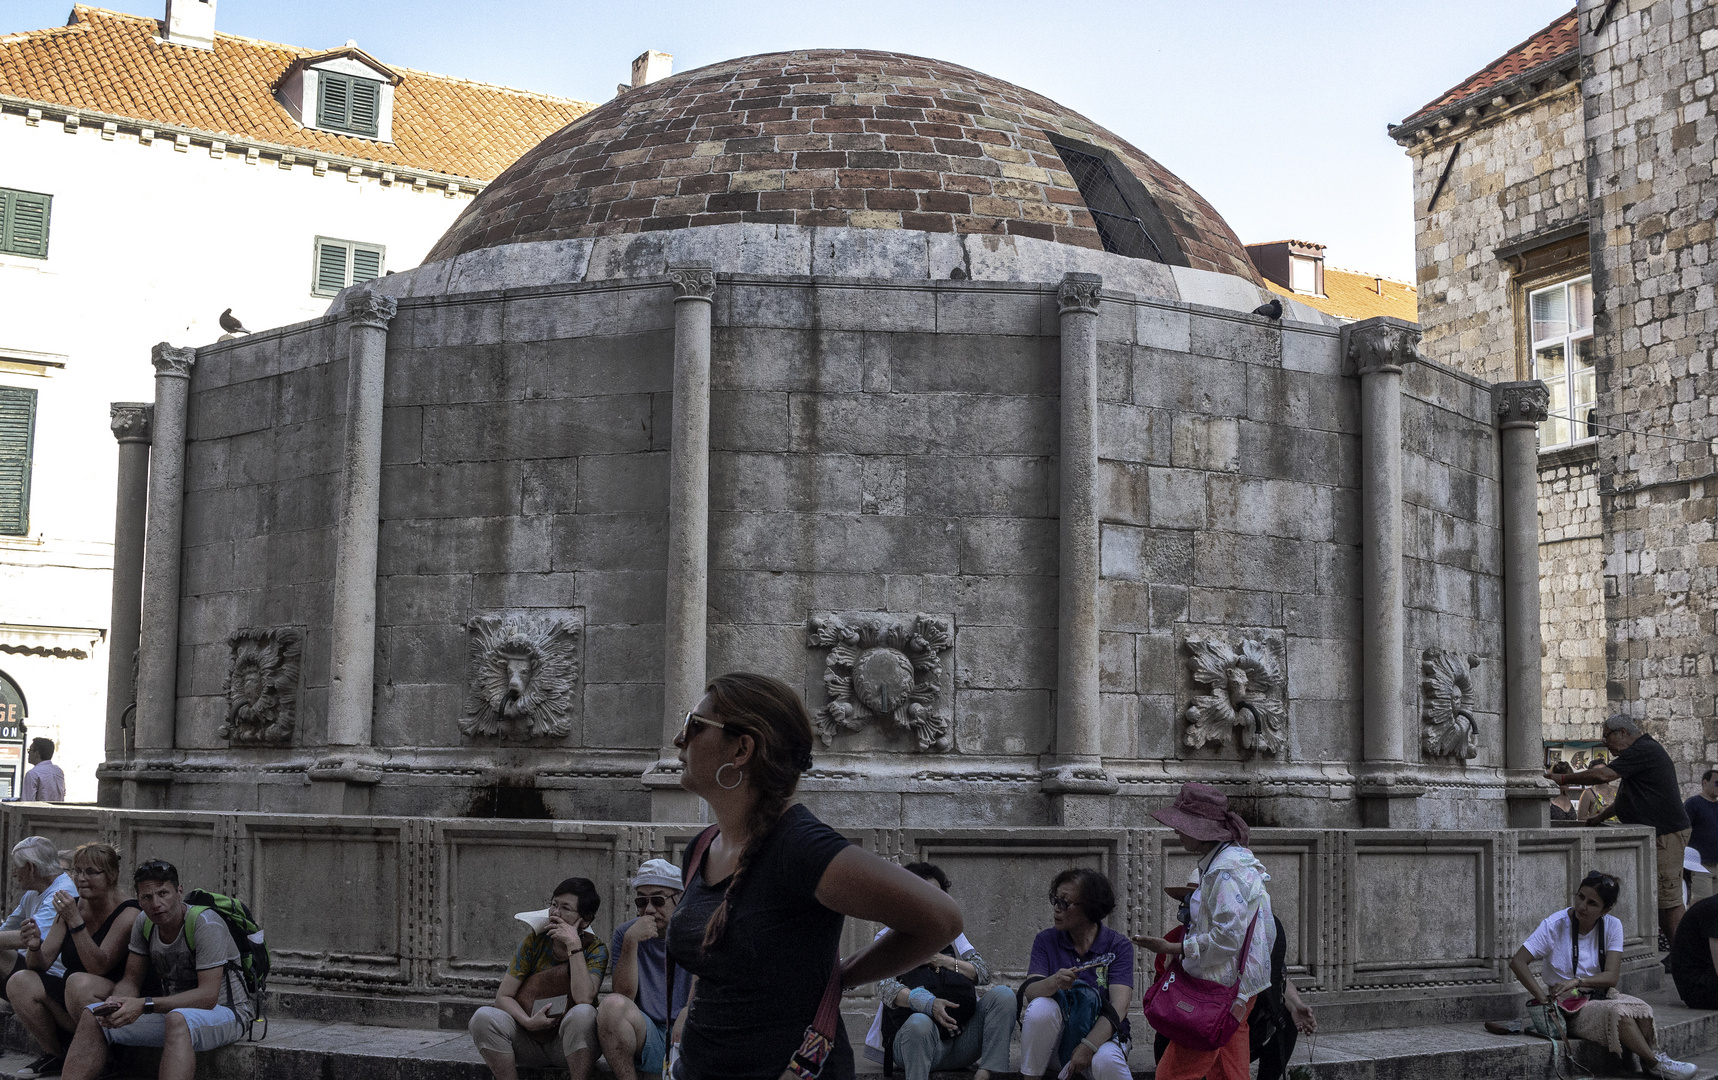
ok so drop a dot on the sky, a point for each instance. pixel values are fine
(1275, 112)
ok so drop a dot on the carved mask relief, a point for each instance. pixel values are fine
(262, 686)
(524, 676)
(1446, 704)
(1244, 695)
(881, 667)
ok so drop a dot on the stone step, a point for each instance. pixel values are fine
(311, 1049)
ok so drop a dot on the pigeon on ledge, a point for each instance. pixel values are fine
(232, 325)
(1272, 310)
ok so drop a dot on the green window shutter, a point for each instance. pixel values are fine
(366, 106)
(331, 258)
(366, 264)
(333, 99)
(24, 223)
(17, 433)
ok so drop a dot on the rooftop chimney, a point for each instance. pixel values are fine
(191, 23)
(651, 66)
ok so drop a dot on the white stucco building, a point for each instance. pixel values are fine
(154, 173)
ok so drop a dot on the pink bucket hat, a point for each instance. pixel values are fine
(1202, 812)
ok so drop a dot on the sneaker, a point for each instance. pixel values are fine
(1504, 1027)
(46, 1065)
(1671, 1069)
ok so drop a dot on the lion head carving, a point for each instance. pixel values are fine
(523, 676)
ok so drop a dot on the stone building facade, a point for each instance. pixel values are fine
(1587, 153)
(1039, 528)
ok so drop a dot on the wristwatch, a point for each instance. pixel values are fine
(148, 1005)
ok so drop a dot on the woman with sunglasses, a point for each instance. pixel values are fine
(768, 888)
(1582, 949)
(88, 940)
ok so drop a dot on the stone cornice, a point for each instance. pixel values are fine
(1490, 104)
(37, 111)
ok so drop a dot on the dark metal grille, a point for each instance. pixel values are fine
(1118, 226)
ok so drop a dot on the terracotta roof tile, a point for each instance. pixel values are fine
(1559, 39)
(989, 166)
(106, 61)
(1351, 295)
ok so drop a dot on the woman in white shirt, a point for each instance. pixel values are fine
(1582, 949)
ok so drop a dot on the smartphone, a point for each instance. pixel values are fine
(104, 1008)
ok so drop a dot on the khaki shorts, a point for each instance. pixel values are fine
(1670, 849)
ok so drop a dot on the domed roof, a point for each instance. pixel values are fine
(835, 137)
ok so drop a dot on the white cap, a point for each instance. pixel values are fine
(658, 872)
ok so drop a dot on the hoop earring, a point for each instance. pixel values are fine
(736, 783)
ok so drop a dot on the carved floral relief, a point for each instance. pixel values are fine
(524, 676)
(1245, 686)
(1446, 704)
(882, 667)
(261, 686)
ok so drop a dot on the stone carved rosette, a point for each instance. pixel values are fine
(1240, 695)
(261, 686)
(524, 680)
(1446, 705)
(884, 668)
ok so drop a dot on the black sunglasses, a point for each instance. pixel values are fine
(1063, 905)
(642, 902)
(1597, 875)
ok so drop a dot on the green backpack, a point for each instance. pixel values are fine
(253, 962)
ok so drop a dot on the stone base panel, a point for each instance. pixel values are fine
(1391, 914)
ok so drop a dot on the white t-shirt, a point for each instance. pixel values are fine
(1552, 940)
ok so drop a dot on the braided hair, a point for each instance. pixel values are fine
(773, 715)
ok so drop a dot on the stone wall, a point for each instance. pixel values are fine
(1650, 137)
(1517, 174)
(1572, 594)
(1384, 926)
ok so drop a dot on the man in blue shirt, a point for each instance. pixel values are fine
(36, 868)
(633, 1022)
(1703, 815)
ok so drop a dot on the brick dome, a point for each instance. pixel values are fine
(849, 138)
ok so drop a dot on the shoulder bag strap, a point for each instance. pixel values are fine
(1246, 947)
(694, 860)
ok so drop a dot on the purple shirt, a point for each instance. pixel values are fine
(1053, 950)
(44, 783)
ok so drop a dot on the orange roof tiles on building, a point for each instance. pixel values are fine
(1554, 42)
(826, 137)
(109, 62)
(1354, 296)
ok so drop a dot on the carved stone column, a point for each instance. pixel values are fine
(1378, 348)
(685, 621)
(1076, 781)
(132, 424)
(344, 775)
(158, 634)
(1520, 406)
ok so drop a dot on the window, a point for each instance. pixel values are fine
(24, 223)
(1303, 274)
(348, 103)
(1561, 321)
(1119, 227)
(340, 263)
(17, 432)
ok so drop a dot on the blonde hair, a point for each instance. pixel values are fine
(98, 856)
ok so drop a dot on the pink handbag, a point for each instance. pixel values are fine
(1196, 1013)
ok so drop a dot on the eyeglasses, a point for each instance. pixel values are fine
(642, 902)
(1063, 905)
(694, 723)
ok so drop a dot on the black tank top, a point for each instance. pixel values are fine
(69, 950)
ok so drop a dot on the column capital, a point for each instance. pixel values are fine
(133, 421)
(370, 308)
(693, 281)
(1380, 344)
(171, 362)
(1521, 404)
(1078, 294)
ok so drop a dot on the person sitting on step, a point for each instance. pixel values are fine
(203, 1002)
(632, 1022)
(1582, 947)
(545, 1013)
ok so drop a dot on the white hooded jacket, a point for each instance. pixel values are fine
(1231, 891)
